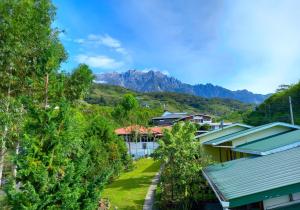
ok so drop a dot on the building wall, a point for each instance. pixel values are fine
(259, 135)
(163, 122)
(281, 201)
(141, 149)
(219, 154)
(224, 132)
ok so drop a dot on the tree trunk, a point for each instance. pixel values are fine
(46, 90)
(2, 154)
(14, 167)
(3, 144)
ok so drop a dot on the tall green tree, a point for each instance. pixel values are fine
(51, 162)
(29, 52)
(183, 160)
(79, 82)
(126, 110)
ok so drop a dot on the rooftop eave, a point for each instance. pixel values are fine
(260, 129)
(224, 203)
(279, 149)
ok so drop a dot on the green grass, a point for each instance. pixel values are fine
(129, 190)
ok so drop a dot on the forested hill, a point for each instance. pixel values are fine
(156, 81)
(231, 110)
(276, 108)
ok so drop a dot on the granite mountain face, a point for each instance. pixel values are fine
(156, 81)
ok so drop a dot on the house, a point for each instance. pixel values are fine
(140, 141)
(221, 144)
(168, 118)
(261, 182)
(197, 118)
(216, 153)
(260, 166)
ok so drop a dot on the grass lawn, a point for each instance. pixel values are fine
(129, 190)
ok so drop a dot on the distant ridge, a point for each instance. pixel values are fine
(156, 81)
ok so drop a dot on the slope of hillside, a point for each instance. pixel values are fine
(155, 81)
(276, 108)
(227, 109)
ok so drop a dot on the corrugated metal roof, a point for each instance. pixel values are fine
(233, 136)
(221, 129)
(171, 116)
(273, 144)
(240, 178)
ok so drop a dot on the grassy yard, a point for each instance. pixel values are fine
(129, 190)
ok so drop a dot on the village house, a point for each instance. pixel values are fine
(264, 171)
(140, 141)
(169, 118)
(223, 144)
(265, 182)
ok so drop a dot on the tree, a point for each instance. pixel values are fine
(183, 160)
(123, 111)
(30, 51)
(276, 107)
(79, 83)
(51, 162)
(129, 103)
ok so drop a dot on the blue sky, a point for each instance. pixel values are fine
(236, 44)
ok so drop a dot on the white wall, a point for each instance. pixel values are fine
(137, 149)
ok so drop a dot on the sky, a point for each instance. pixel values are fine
(237, 44)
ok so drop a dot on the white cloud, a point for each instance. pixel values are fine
(79, 41)
(99, 61)
(103, 40)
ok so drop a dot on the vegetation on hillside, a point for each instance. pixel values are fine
(276, 107)
(226, 109)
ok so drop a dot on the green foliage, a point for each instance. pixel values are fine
(204, 127)
(276, 107)
(129, 112)
(183, 161)
(51, 162)
(221, 109)
(67, 151)
(29, 48)
(129, 102)
(79, 82)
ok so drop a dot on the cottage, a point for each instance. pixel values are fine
(216, 153)
(263, 182)
(140, 141)
(222, 148)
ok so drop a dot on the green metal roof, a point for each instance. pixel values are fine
(233, 136)
(248, 180)
(226, 127)
(269, 145)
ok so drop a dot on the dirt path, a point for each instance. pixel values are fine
(149, 199)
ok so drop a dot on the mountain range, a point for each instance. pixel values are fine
(156, 81)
